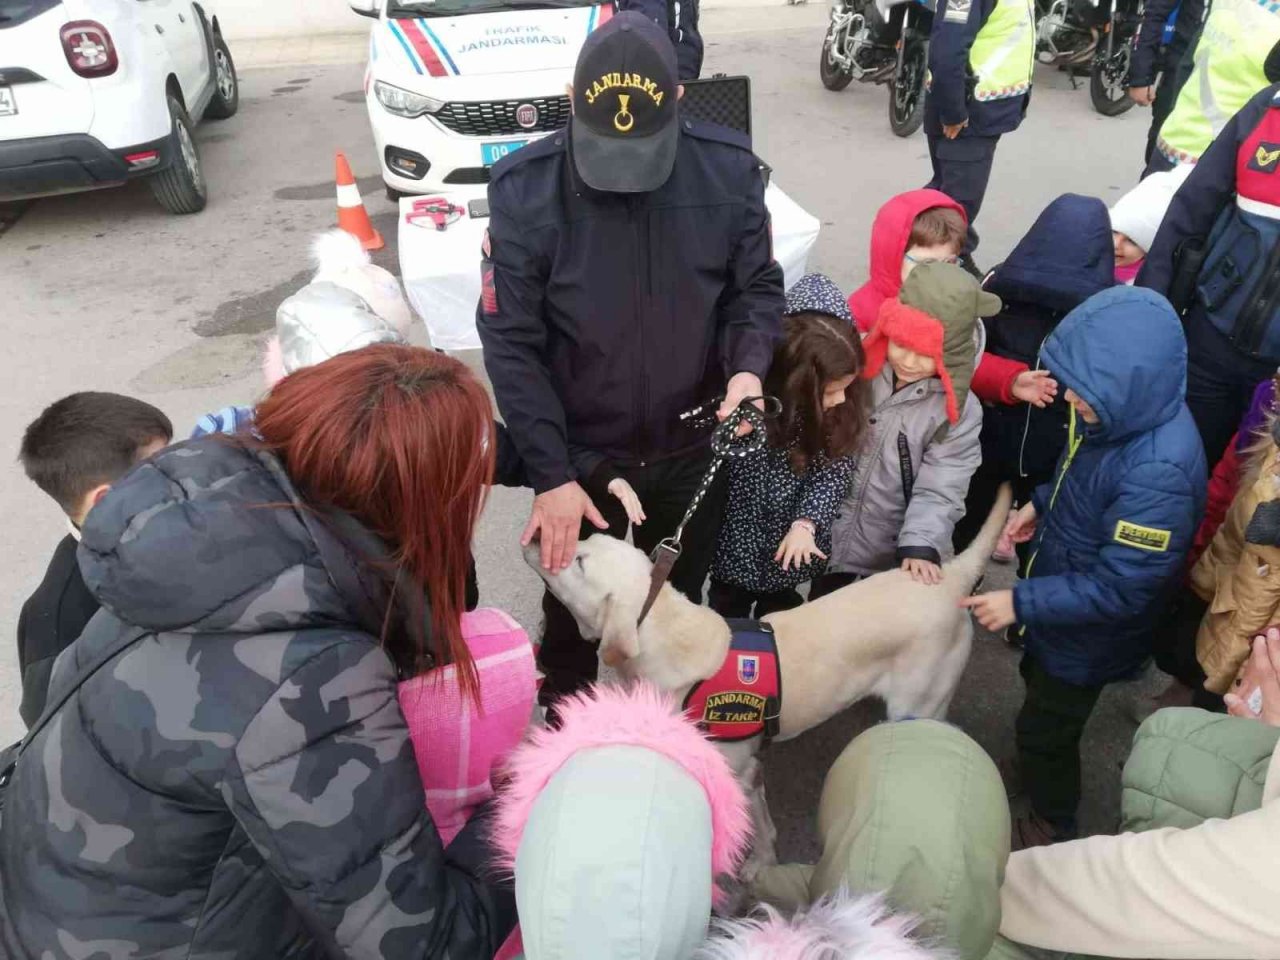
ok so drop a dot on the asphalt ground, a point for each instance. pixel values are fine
(105, 291)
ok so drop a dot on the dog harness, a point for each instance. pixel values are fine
(743, 699)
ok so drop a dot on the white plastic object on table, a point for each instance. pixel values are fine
(441, 268)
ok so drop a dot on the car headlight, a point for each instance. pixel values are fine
(403, 103)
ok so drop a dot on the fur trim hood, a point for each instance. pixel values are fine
(640, 716)
(839, 927)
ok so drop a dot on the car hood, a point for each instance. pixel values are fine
(429, 50)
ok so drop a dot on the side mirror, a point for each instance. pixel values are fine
(366, 8)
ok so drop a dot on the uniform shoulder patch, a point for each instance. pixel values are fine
(1152, 539)
(703, 130)
(957, 11)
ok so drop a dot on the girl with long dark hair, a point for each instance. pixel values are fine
(783, 499)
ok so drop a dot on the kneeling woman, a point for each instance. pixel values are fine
(235, 777)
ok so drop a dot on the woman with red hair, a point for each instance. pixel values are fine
(225, 768)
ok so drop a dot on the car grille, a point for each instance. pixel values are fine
(497, 118)
(468, 175)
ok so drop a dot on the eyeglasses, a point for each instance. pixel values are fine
(953, 259)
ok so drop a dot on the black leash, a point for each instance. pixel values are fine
(725, 444)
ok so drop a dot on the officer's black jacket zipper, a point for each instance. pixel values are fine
(640, 260)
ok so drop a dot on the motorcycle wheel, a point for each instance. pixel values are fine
(906, 91)
(833, 77)
(1108, 82)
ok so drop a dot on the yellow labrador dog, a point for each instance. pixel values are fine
(885, 636)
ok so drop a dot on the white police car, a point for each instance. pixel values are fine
(453, 86)
(97, 92)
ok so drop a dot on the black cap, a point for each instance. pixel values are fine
(1271, 66)
(625, 124)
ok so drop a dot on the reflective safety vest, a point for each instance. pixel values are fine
(1238, 289)
(1003, 54)
(1237, 36)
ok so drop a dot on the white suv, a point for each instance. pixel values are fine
(97, 92)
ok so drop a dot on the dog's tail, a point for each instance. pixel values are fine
(966, 569)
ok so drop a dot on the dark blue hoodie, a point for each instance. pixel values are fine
(1065, 258)
(1116, 522)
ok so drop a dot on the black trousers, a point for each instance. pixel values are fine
(1167, 91)
(1220, 384)
(961, 170)
(1175, 648)
(1048, 729)
(736, 602)
(830, 583)
(665, 488)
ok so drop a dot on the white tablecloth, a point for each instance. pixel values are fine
(441, 269)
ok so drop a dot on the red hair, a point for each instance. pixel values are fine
(400, 438)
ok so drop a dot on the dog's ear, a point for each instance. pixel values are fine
(620, 634)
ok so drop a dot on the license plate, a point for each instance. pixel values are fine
(8, 105)
(491, 153)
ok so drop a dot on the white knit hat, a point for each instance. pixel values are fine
(1139, 213)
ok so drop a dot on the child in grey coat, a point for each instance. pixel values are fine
(914, 468)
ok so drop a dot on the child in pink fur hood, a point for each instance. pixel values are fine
(620, 827)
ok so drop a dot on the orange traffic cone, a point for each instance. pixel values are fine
(352, 216)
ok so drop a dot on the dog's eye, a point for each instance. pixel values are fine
(577, 562)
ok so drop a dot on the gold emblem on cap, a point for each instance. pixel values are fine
(627, 81)
(623, 120)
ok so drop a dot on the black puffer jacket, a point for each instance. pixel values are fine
(239, 782)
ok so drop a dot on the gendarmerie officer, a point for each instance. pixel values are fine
(629, 276)
(981, 56)
(680, 19)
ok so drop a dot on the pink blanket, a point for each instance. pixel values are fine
(460, 748)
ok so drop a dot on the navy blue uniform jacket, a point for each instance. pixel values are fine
(607, 315)
(1113, 545)
(1146, 60)
(948, 99)
(1203, 195)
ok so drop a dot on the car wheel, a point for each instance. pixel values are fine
(226, 91)
(394, 195)
(180, 187)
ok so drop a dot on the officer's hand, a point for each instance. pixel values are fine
(1142, 96)
(557, 517)
(952, 130)
(630, 500)
(741, 386)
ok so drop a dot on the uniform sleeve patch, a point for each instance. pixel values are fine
(957, 11)
(1144, 538)
(488, 289)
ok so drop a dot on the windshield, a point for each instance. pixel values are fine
(402, 9)
(14, 12)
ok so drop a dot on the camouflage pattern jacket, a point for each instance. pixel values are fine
(238, 783)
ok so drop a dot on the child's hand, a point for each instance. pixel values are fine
(1022, 523)
(993, 610)
(798, 546)
(630, 502)
(1035, 387)
(1256, 693)
(923, 571)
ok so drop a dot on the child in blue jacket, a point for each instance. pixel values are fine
(1113, 528)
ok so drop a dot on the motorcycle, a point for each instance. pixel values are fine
(881, 42)
(1109, 77)
(1092, 35)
